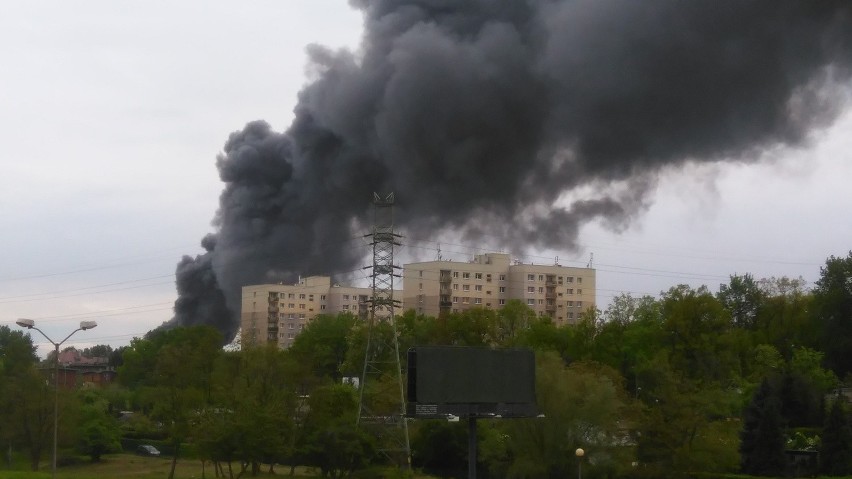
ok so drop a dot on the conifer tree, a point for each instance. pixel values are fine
(836, 451)
(762, 438)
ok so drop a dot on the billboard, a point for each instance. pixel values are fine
(448, 381)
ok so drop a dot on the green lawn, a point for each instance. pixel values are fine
(138, 467)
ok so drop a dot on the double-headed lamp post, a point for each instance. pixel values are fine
(580, 453)
(30, 324)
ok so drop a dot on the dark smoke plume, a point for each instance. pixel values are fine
(481, 114)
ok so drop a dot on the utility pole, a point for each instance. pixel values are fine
(381, 408)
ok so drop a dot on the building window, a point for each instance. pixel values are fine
(322, 298)
(579, 304)
(579, 291)
(540, 290)
(477, 300)
(570, 315)
(346, 307)
(478, 275)
(502, 277)
(420, 298)
(541, 277)
(322, 307)
(579, 280)
(301, 327)
(540, 302)
(501, 301)
(465, 275)
(455, 310)
(302, 296)
(530, 289)
(466, 299)
(346, 297)
(291, 316)
(570, 290)
(310, 297)
(530, 277)
(530, 302)
(290, 335)
(421, 286)
(455, 299)
(502, 289)
(455, 286)
(570, 304)
(569, 279)
(289, 325)
(301, 305)
(455, 274)
(466, 287)
(291, 305)
(301, 315)
(421, 273)
(478, 287)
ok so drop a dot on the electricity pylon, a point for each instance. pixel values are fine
(381, 408)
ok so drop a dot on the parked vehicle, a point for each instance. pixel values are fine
(147, 450)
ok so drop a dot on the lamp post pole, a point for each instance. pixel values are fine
(30, 324)
(579, 453)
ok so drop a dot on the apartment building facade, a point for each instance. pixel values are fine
(276, 313)
(490, 280)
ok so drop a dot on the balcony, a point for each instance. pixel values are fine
(446, 304)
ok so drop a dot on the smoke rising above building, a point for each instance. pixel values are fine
(539, 114)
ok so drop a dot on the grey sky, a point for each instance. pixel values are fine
(112, 113)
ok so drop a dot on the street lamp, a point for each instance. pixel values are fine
(579, 453)
(30, 324)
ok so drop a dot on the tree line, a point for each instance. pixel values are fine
(689, 381)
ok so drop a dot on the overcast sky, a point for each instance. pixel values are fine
(112, 113)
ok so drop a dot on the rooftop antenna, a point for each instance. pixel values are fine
(591, 263)
(439, 251)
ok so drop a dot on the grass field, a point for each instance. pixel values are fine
(138, 467)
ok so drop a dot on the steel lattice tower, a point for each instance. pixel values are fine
(381, 409)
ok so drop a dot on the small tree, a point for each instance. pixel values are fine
(762, 438)
(836, 451)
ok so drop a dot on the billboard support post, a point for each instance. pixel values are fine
(471, 447)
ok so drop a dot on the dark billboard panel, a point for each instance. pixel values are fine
(470, 381)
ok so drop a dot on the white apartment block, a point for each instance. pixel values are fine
(276, 313)
(489, 280)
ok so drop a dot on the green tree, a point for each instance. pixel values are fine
(26, 400)
(584, 406)
(252, 416)
(833, 306)
(699, 335)
(836, 451)
(762, 438)
(512, 319)
(682, 426)
(98, 432)
(742, 298)
(323, 346)
(439, 447)
(333, 442)
(173, 372)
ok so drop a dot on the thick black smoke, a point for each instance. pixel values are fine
(482, 114)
